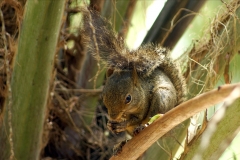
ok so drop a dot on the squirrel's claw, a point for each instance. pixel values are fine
(117, 127)
(117, 149)
(138, 129)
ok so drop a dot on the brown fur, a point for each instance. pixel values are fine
(148, 75)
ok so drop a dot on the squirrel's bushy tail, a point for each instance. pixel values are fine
(103, 44)
(100, 38)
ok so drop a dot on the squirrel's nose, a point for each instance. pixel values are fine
(113, 116)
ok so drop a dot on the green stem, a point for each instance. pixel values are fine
(31, 79)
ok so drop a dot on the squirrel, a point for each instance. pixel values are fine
(140, 83)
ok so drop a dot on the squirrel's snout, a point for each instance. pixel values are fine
(118, 117)
(114, 116)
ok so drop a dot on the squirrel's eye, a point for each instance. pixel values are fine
(128, 99)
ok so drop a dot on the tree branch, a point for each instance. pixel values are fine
(140, 143)
(219, 132)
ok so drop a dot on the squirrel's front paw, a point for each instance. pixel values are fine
(117, 149)
(117, 127)
(138, 129)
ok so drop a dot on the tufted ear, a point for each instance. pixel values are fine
(135, 76)
(109, 72)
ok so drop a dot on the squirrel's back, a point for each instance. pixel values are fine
(150, 57)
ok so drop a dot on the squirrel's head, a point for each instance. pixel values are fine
(122, 94)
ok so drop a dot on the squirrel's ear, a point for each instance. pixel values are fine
(109, 72)
(135, 76)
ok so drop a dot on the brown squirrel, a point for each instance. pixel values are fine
(140, 83)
